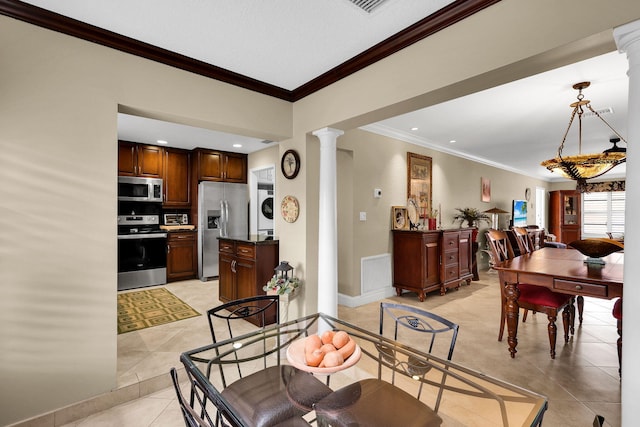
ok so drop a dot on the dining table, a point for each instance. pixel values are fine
(454, 394)
(563, 270)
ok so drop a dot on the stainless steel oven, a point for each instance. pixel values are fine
(142, 251)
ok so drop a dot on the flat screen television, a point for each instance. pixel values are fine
(519, 213)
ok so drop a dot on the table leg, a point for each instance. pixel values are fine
(474, 262)
(512, 310)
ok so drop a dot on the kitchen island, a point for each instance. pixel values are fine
(246, 265)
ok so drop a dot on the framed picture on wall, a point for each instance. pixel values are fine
(399, 220)
(419, 183)
(485, 188)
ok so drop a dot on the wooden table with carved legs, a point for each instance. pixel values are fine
(561, 270)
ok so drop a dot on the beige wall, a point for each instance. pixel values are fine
(380, 162)
(58, 136)
(58, 120)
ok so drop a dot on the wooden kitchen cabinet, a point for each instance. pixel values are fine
(177, 175)
(139, 160)
(246, 265)
(181, 255)
(428, 260)
(221, 166)
(565, 217)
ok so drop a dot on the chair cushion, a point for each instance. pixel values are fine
(293, 422)
(374, 402)
(539, 295)
(617, 309)
(274, 395)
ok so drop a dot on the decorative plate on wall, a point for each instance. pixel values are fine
(290, 164)
(289, 208)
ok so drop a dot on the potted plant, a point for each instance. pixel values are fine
(472, 216)
(281, 285)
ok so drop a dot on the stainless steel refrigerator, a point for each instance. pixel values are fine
(223, 211)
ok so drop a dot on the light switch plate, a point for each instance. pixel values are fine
(363, 216)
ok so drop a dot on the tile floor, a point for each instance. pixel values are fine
(580, 382)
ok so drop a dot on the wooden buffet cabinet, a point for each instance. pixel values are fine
(246, 265)
(565, 217)
(428, 260)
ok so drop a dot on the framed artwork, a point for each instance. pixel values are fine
(419, 183)
(485, 188)
(399, 220)
(290, 164)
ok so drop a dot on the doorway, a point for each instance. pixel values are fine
(262, 187)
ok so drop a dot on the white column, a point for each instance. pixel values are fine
(327, 224)
(627, 39)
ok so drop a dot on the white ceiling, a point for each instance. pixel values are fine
(289, 42)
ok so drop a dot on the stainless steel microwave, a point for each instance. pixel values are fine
(137, 189)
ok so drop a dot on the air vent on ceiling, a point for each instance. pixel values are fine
(367, 5)
(608, 110)
(266, 141)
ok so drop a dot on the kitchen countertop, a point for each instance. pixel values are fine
(183, 227)
(253, 238)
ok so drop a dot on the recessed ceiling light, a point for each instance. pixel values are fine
(237, 145)
(414, 128)
(453, 141)
(162, 141)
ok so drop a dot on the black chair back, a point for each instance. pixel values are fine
(256, 307)
(190, 415)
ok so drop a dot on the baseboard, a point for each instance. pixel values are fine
(102, 402)
(359, 300)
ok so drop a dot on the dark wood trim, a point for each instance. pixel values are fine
(449, 15)
(56, 22)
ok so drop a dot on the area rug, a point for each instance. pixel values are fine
(143, 309)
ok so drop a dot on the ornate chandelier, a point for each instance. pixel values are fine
(586, 166)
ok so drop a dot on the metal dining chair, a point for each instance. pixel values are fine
(275, 394)
(191, 416)
(374, 401)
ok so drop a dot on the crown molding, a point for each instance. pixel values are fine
(449, 15)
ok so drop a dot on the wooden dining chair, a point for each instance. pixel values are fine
(617, 314)
(532, 297)
(526, 246)
(275, 394)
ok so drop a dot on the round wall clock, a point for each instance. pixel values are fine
(289, 208)
(290, 164)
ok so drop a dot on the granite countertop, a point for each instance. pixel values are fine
(253, 238)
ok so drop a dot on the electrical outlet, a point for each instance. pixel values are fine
(377, 193)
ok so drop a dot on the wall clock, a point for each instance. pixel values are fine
(527, 194)
(289, 208)
(290, 164)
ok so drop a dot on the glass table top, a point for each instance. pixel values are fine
(458, 395)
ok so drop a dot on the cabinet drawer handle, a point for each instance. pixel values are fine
(578, 287)
(451, 256)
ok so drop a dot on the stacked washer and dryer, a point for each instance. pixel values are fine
(265, 209)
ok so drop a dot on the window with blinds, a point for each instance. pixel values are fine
(602, 212)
